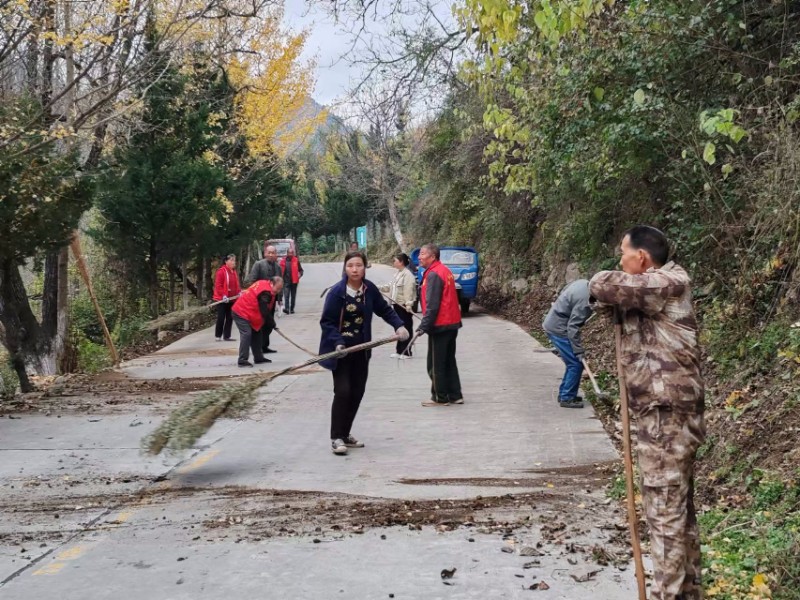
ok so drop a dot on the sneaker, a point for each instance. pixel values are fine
(269, 351)
(229, 340)
(217, 339)
(459, 401)
(433, 403)
(262, 361)
(246, 363)
(395, 355)
(352, 442)
(338, 447)
(574, 403)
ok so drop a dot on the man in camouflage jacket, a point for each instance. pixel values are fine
(661, 360)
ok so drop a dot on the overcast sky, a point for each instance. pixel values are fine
(328, 44)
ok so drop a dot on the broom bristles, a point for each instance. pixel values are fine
(190, 422)
(174, 318)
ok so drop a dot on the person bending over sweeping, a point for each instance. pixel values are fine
(563, 325)
(660, 359)
(252, 313)
(347, 321)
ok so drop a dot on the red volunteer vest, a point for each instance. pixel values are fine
(449, 310)
(295, 269)
(247, 304)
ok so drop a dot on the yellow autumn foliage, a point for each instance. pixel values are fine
(263, 62)
(274, 85)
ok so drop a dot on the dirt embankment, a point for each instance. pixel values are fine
(752, 417)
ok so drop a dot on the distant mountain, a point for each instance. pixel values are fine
(308, 128)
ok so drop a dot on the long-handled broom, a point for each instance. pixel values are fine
(598, 392)
(189, 422)
(179, 316)
(292, 342)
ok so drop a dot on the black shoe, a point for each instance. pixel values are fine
(246, 363)
(269, 351)
(229, 340)
(574, 403)
(262, 361)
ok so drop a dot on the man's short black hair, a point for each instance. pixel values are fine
(432, 249)
(652, 240)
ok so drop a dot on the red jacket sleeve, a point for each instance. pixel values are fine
(219, 285)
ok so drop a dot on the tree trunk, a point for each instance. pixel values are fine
(179, 273)
(201, 279)
(23, 334)
(171, 289)
(184, 281)
(394, 220)
(55, 312)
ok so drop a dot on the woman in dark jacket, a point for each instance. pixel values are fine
(347, 321)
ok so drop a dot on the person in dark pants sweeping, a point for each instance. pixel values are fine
(441, 321)
(563, 325)
(292, 271)
(252, 313)
(226, 287)
(347, 321)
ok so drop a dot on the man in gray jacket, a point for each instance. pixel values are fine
(266, 269)
(563, 326)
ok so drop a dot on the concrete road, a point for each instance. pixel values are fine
(214, 522)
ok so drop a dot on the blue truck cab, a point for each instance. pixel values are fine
(463, 262)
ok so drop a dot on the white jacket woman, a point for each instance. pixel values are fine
(403, 292)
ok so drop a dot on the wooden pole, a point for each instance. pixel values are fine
(626, 451)
(76, 252)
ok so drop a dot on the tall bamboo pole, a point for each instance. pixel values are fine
(76, 252)
(626, 451)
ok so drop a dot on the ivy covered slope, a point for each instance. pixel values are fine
(577, 119)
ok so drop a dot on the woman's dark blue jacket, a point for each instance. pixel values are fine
(374, 302)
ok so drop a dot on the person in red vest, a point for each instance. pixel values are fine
(292, 271)
(441, 321)
(226, 288)
(252, 312)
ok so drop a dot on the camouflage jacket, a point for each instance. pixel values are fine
(660, 353)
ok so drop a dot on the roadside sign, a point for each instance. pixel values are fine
(361, 236)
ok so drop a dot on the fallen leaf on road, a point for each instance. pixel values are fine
(539, 586)
(533, 563)
(530, 551)
(448, 573)
(584, 577)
